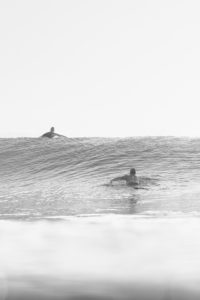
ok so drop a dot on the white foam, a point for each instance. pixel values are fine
(112, 247)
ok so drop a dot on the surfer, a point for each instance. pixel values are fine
(51, 134)
(131, 179)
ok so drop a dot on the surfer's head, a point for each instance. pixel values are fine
(132, 171)
(52, 129)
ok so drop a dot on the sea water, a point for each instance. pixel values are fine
(66, 233)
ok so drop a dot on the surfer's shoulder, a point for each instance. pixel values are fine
(47, 134)
(125, 177)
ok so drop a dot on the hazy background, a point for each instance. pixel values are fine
(99, 67)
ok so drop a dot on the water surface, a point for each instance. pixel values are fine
(65, 233)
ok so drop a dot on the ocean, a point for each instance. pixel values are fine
(66, 233)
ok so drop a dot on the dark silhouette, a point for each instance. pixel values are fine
(51, 134)
(130, 179)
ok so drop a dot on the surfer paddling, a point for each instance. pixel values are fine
(51, 134)
(131, 179)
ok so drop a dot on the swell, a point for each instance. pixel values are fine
(39, 158)
(26, 159)
(70, 176)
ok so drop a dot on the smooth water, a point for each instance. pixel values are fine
(65, 233)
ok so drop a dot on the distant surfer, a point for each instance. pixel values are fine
(51, 134)
(131, 179)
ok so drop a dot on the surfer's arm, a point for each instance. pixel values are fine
(56, 134)
(44, 135)
(119, 178)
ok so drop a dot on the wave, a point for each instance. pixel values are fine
(69, 176)
(86, 158)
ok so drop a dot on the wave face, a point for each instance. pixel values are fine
(42, 178)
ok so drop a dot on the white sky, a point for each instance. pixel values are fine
(99, 67)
